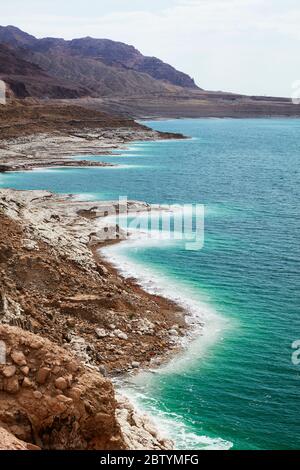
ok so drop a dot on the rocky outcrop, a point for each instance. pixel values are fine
(54, 281)
(138, 430)
(9, 442)
(55, 391)
(49, 399)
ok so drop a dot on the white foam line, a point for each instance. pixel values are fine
(206, 328)
(205, 324)
(171, 425)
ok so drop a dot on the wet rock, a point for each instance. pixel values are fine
(138, 430)
(135, 364)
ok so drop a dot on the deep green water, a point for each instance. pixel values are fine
(236, 385)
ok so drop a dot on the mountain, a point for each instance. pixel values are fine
(113, 77)
(119, 54)
(15, 36)
(96, 67)
(27, 79)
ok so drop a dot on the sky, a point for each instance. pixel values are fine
(244, 46)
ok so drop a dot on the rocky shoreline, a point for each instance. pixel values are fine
(74, 230)
(48, 150)
(58, 292)
(37, 135)
(54, 286)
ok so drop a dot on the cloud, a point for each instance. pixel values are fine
(225, 44)
(286, 23)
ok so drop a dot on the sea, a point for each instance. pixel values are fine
(236, 383)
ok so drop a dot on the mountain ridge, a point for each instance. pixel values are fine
(110, 76)
(101, 66)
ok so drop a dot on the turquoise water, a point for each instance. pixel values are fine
(236, 386)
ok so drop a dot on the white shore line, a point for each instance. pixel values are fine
(204, 327)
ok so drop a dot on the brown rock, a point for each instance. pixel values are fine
(10, 442)
(42, 375)
(27, 383)
(18, 358)
(36, 344)
(72, 366)
(25, 370)
(56, 370)
(61, 383)
(9, 371)
(64, 399)
(60, 420)
(69, 380)
(11, 385)
(75, 393)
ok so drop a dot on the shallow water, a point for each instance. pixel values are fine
(236, 385)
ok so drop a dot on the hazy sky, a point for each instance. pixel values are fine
(247, 46)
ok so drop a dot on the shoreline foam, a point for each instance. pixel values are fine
(204, 327)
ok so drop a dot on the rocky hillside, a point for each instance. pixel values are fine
(87, 66)
(26, 79)
(79, 407)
